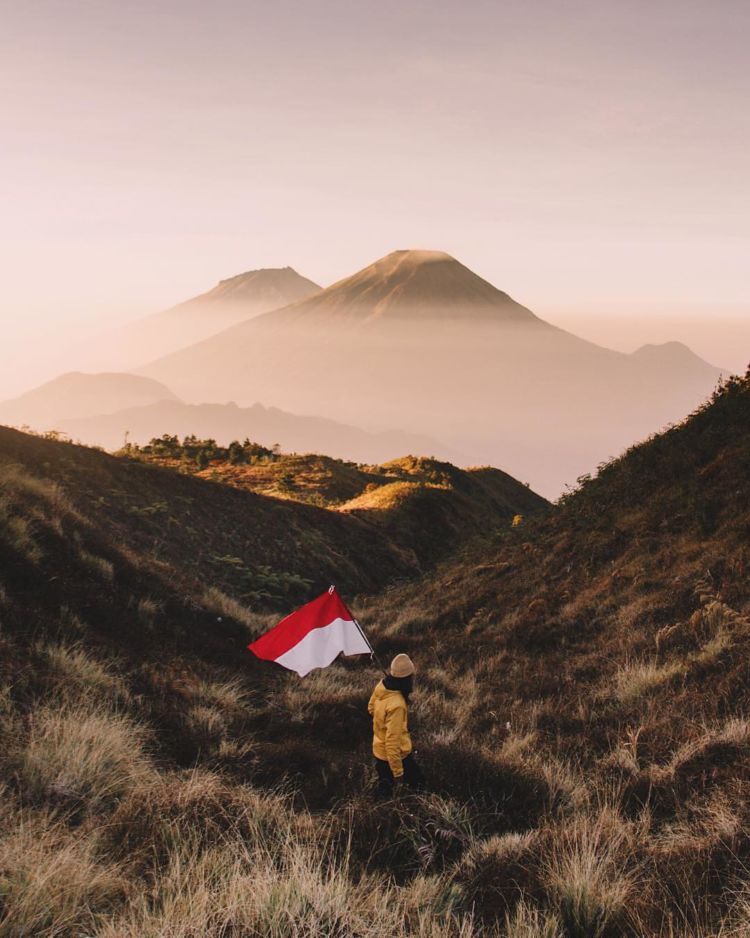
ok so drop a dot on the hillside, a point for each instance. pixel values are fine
(426, 507)
(230, 536)
(419, 342)
(76, 395)
(581, 712)
(603, 653)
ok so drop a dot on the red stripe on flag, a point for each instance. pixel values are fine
(291, 630)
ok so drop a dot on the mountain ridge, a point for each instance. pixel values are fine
(266, 425)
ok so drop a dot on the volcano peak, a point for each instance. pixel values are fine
(420, 256)
(410, 284)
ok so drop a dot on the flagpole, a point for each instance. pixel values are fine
(373, 656)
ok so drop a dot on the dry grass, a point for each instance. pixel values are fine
(636, 679)
(230, 695)
(148, 609)
(383, 498)
(206, 725)
(75, 675)
(18, 481)
(101, 567)
(27, 506)
(527, 921)
(217, 601)
(9, 721)
(590, 877)
(18, 533)
(331, 687)
(53, 882)
(568, 790)
(262, 873)
(722, 743)
(290, 892)
(79, 756)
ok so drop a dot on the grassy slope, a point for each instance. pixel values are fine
(581, 712)
(613, 638)
(199, 530)
(426, 507)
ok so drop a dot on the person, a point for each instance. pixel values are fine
(391, 743)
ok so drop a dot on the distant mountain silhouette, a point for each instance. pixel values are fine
(76, 395)
(265, 425)
(230, 301)
(673, 355)
(239, 298)
(418, 341)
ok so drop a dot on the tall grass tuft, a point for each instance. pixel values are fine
(81, 756)
(636, 679)
(75, 675)
(527, 921)
(53, 883)
(100, 566)
(587, 875)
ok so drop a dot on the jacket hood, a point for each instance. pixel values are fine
(382, 691)
(402, 685)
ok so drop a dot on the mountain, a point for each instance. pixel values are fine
(673, 355)
(75, 395)
(254, 291)
(233, 300)
(226, 422)
(416, 340)
(424, 285)
(580, 707)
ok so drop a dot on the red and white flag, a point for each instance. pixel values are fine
(313, 636)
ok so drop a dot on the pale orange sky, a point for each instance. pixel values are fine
(587, 156)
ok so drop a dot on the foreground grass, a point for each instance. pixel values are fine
(99, 838)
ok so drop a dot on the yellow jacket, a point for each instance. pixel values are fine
(390, 729)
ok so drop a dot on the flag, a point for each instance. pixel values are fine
(313, 636)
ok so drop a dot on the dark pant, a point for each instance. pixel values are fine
(412, 776)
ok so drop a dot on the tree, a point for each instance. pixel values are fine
(236, 453)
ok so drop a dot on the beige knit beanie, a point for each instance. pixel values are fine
(402, 666)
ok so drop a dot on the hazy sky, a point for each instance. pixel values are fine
(588, 156)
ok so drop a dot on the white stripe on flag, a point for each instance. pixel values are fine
(320, 646)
